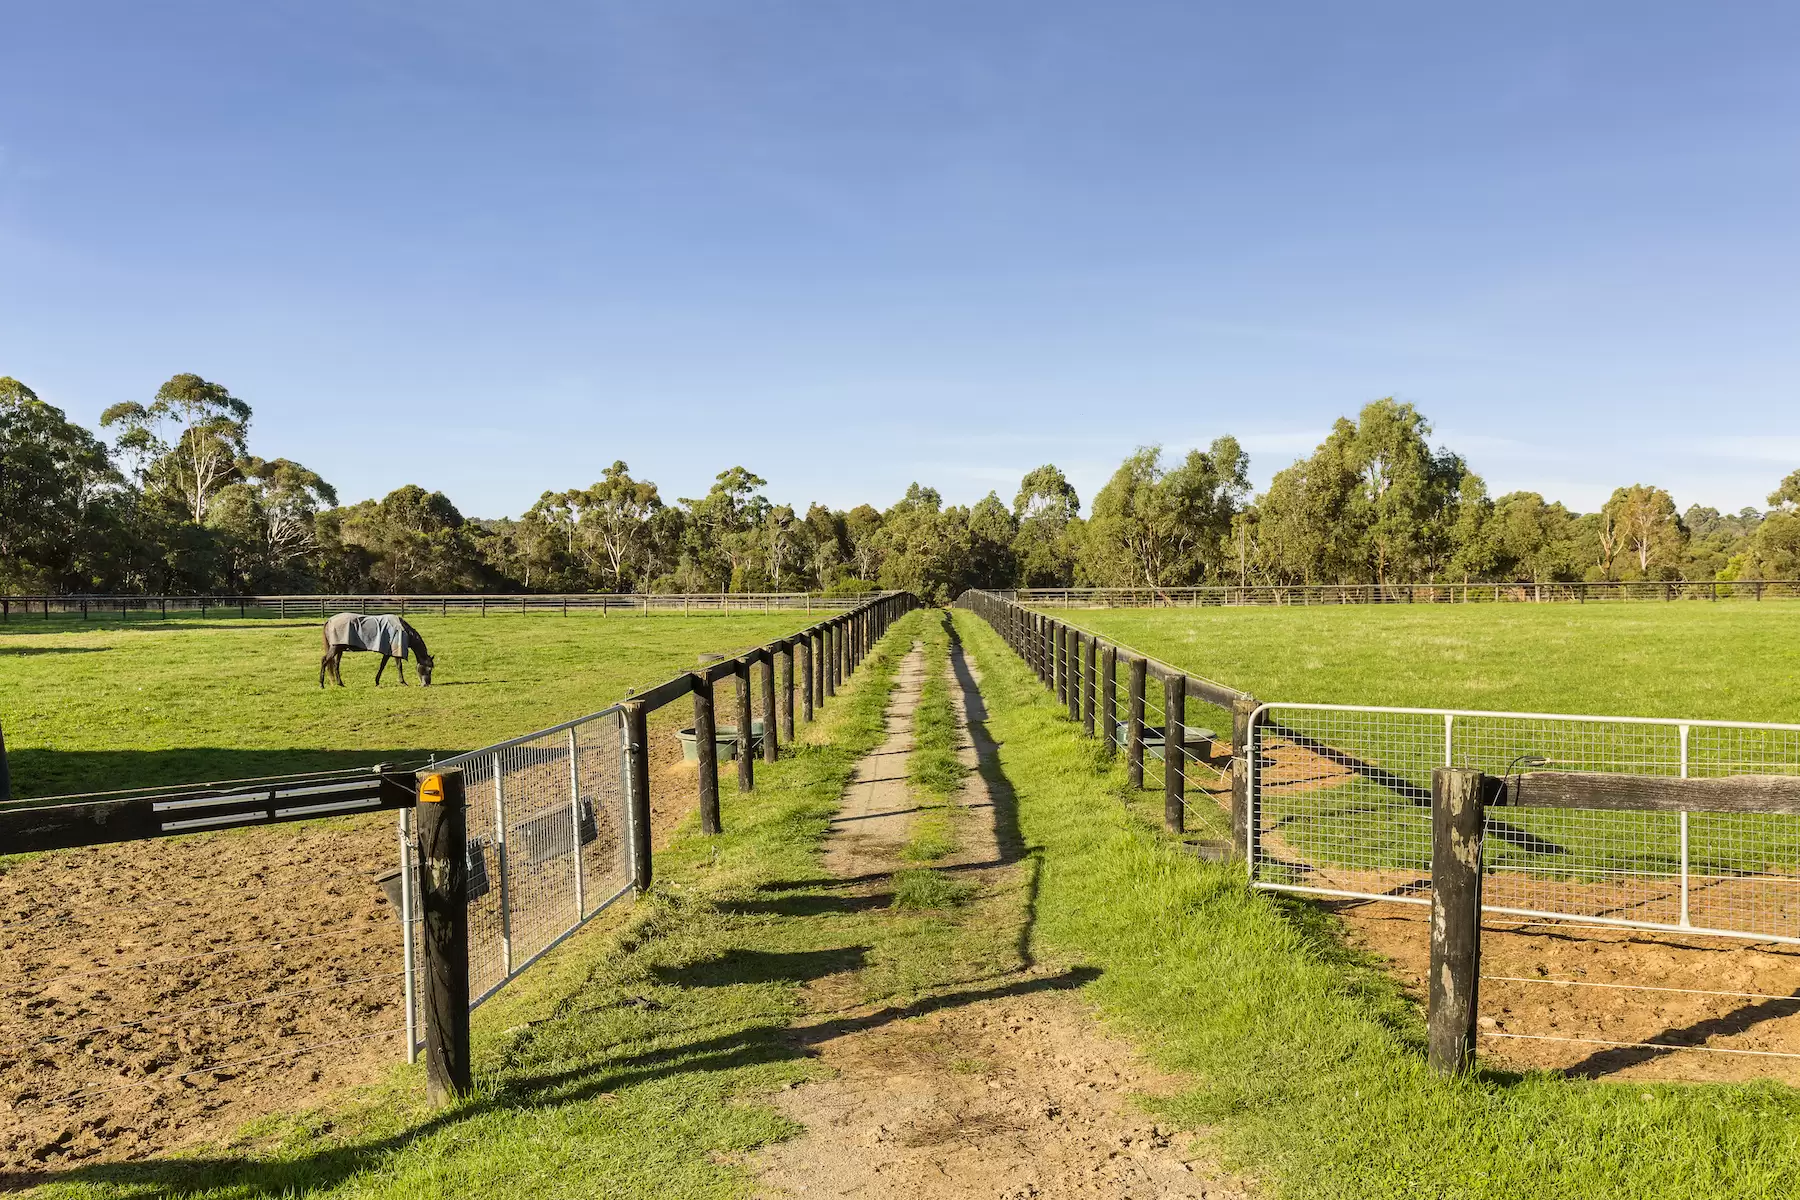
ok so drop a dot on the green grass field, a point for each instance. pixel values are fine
(1726, 661)
(89, 706)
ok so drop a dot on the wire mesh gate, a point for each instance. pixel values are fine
(1340, 806)
(549, 848)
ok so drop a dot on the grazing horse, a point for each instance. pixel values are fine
(390, 637)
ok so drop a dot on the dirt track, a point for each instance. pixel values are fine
(1012, 1095)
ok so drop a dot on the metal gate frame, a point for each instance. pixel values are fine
(593, 805)
(1266, 727)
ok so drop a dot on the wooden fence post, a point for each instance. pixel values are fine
(706, 748)
(443, 896)
(5, 771)
(1134, 725)
(771, 718)
(803, 650)
(746, 756)
(637, 766)
(1071, 659)
(787, 693)
(1241, 737)
(1109, 697)
(1456, 829)
(1174, 745)
(1089, 650)
(828, 661)
(1059, 666)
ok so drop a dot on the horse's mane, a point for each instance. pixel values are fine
(420, 650)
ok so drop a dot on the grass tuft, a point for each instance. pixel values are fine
(929, 890)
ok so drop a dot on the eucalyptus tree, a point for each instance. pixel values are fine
(189, 441)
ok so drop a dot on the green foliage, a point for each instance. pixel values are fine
(1157, 528)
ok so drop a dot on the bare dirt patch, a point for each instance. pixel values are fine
(157, 993)
(1011, 1097)
(876, 814)
(1559, 963)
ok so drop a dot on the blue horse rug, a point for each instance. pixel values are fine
(385, 635)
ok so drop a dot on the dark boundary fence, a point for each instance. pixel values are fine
(1083, 669)
(95, 606)
(1282, 595)
(817, 660)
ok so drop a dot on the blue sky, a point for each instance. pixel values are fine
(492, 248)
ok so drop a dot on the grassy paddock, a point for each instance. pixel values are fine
(101, 705)
(1709, 661)
(1308, 1060)
(630, 1062)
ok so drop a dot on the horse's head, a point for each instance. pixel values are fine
(426, 662)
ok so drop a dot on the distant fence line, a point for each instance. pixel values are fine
(482, 603)
(1406, 593)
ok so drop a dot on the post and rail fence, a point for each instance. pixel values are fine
(94, 606)
(505, 851)
(1277, 595)
(1668, 825)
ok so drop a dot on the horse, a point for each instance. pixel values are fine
(391, 637)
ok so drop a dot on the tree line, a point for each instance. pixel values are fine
(172, 499)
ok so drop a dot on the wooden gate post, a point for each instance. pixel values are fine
(1174, 743)
(1241, 737)
(1109, 694)
(706, 749)
(771, 718)
(1089, 650)
(443, 900)
(1456, 829)
(637, 768)
(746, 757)
(786, 702)
(1134, 725)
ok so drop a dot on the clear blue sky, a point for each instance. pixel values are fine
(491, 248)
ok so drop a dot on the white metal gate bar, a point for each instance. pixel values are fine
(549, 852)
(1340, 806)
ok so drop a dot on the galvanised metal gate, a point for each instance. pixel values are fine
(549, 848)
(1340, 806)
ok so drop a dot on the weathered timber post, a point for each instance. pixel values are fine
(1134, 725)
(1241, 738)
(787, 693)
(1109, 696)
(803, 661)
(5, 771)
(443, 896)
(746, 754)
(637, 768)
(1071, 661)
(1089, 651)
(1059, 666)
(828, 661)
(1456, 829)
(1046, 652)
(1174, 743)
(706, 748)
(771, 718)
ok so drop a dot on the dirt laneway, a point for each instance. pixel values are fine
(1007, 1092)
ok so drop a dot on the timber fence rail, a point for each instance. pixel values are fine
(1281, 595)
(142, 986)
(1675, 826)
(125, 607)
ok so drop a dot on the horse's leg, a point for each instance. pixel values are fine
(400, 666)
(337, 665)
(323, 664)
(380, 669)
